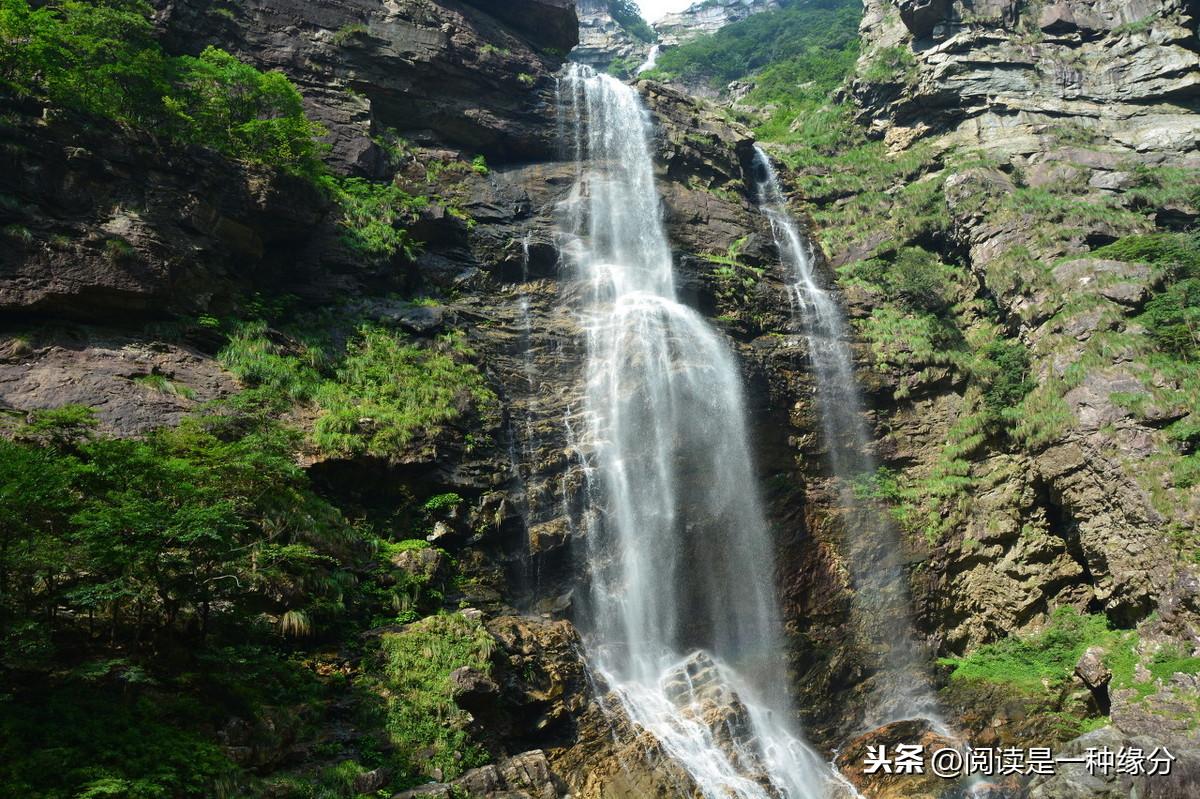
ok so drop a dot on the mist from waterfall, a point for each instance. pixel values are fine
(681, 619)
(901, 688)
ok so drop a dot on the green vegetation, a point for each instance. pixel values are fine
(374, 398)
(134, 539)
(806, 42)
(1049, 656)
(425, 726)
(1042, 664)
(153, 589)
(890, 65)
(373, 215)
(101, 58)
(627, 14)
(165, 385)
(348, 33)
(1172, 316)
(387, 392)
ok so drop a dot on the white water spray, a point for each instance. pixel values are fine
(902, 687)
(682, 619)
(650, 62)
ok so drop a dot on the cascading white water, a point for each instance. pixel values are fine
(682, 619)
(650, 62)
(902, 689)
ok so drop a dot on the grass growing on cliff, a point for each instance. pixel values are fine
(387, 391)
(426, 727)
(1048, 658)
(376, 397)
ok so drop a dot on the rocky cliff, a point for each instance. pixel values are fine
(604, 43)
(1029, 148)
(706, 17)
(1031, 155)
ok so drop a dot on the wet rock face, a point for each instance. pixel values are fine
(889, 782)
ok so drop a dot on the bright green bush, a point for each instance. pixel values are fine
(221, 102)
(1051, 655)
(373, 215)
(426, 727)
(376, 398)
(387, 391)
(101, 58)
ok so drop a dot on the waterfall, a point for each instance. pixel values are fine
(681, 619)
(650, 62)
(901, 688)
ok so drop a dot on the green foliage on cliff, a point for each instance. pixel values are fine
(374, 397)
(426, 727)
(629, 16)
(1172, 316)
(101, 58)
(387, 391)
(142, 584)
(1049, 656)
(373, 216)
(1043, 663)
(136, 538)
(807, 41)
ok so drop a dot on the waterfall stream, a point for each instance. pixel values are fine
(901, 687)
(682, 619)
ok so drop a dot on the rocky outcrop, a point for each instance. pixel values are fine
(1067, 102)
(603, 41)
(706, 17)
(1002, 74)
(133, 383)
(444, 72)
(110, 223)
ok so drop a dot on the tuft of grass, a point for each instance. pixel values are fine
(427, 729)
(1047, 659)
(388, 391)
(347, 34)
(165, 385)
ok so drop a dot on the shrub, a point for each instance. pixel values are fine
(372, 215)
(101, 58)
(387, 391)
(1007, 380)
(426, 727)
(1027, 661)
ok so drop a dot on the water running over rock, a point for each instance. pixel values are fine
(682, 618)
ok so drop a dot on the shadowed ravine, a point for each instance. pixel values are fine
(682, 618)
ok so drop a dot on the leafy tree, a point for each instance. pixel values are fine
(629, 16)
(257, 116)
(138, 538)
